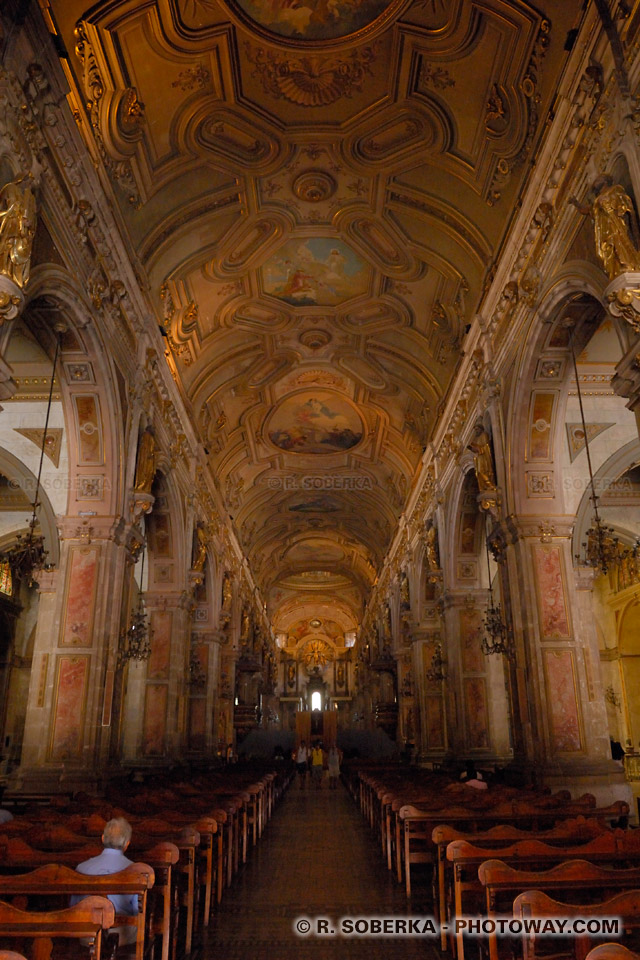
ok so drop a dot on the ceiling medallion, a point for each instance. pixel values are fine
(313, 186)
(315, 339)
(311, 81)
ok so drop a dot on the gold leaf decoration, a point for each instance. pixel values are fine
(311, 81)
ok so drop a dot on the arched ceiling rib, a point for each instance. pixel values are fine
(315, 192)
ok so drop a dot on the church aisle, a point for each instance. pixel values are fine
(317, 858)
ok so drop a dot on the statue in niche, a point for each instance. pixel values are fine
(483, 459)
(386, 629)
(614, 219)
(17, 227)
(340, 674)
(201, 548)
(431, 548)
(291, 674)
(227, 594)
(245, 627)
(405, 599)
(146, 462)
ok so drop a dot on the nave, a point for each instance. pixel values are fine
(317, 858)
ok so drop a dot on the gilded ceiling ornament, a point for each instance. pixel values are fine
(94, 89)
(131, 113)
(192, 78)
(496, 116)
(314, 186)
(528, 87)
(311, 81)
(315, 339)
(435, 76)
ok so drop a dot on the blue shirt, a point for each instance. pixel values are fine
(110, 861)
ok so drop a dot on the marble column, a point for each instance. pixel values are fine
(559, 691)
(68, 720)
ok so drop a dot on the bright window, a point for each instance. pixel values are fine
(316, 701)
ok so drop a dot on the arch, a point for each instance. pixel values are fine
(612, 469)
(16, 471)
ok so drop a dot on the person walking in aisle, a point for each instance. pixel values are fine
(317, 764)
(302, 762)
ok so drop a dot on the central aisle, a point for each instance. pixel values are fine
(316, 858)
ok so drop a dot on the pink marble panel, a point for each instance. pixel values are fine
(155, 719)
(158, 666)
(82, 569)
(475, 705)
(89, 429)
(470, 636)
(562, 699)
(435, 723)
(554, 616)
(69, 709)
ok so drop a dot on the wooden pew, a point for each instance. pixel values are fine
(420, 823)
(535, 903)
(16, 856)
(576, 830)
(615, 847)
(606, 951)
(55, 880)
(577, 878)
(84, 921)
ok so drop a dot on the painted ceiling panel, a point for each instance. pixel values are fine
(316, 192)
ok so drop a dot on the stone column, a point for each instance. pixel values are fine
(67, 729)
(559, 690)
(432, 736)
(157, 690)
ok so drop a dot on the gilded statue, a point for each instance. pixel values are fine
(483, 459)
(227, 593)
(17, 227)
(146, 462)
(201, 549)
(431, 548)
(612, 213)
(405, 600)
(245, 629)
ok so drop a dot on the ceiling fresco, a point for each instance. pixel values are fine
(316, 194)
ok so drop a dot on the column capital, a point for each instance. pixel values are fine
(88, 529)
(622, 297)
(545, 529)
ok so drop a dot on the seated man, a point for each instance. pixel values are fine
(116, 837)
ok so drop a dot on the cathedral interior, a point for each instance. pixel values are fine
(320, 385)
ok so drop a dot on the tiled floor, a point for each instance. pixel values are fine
(316, 859)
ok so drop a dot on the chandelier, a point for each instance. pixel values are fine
(497, 638)
(28, 556)
(602, 549)
(135, 641)
(437, 672)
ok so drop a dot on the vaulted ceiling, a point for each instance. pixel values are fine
(316, 193)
